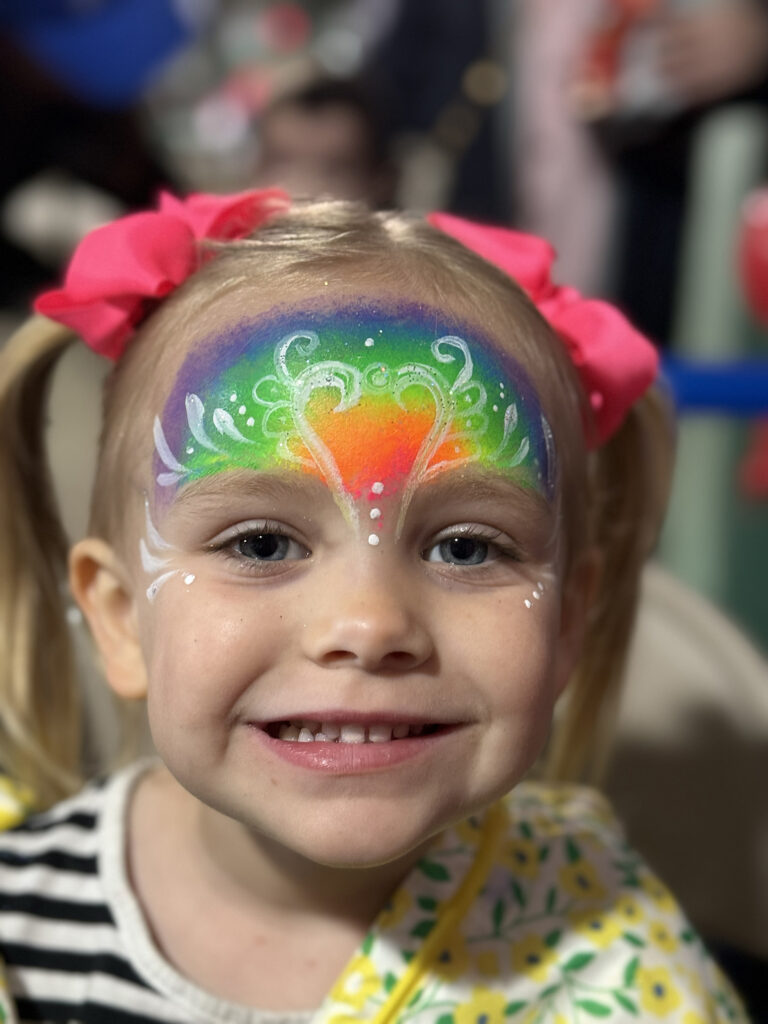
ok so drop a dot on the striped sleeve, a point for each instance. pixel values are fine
(63, 953)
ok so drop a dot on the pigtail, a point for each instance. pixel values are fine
(629, 485)
(39, 697)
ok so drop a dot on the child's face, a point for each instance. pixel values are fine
(348, 589)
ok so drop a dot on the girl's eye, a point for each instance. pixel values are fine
(268, 547)
(459, 551)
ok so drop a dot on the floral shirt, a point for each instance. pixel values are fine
(535, 911)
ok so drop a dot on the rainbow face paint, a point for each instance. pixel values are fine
(372, 401)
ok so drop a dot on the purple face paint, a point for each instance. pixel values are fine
(373, 399)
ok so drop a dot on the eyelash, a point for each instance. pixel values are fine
(498, 543)
(227, 544)
(500, 547)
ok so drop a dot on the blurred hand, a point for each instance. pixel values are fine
(710, 54)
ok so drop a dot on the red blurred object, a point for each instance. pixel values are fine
(285, 27)
(753, 471)
(753, 252)
(595, 81)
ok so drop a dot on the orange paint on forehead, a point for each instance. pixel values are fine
(376, 441)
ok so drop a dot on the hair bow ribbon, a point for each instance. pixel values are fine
(120, 270)
(616, 363)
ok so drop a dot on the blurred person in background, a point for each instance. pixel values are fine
(327, 138)
(589, 140)
(73, 75)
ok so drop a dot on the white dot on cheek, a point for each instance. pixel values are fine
(375, 513)
(373, 540)
(378, 487)
(189, 579)
(527, 603)
(536, 594)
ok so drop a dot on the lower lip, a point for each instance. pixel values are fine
(351, 758)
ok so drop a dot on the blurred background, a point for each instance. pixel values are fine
(631, 133)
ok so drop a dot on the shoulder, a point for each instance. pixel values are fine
(579, 908)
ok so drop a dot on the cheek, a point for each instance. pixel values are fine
(201, 651)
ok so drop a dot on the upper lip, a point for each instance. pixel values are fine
(366, 718)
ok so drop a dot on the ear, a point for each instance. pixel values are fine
(579, 592)
(100, 586)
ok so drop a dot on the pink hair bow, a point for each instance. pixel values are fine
(119, 271)
(616, 364)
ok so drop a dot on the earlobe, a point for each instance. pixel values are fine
(99, 585)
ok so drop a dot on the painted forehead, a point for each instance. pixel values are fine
(368, 398)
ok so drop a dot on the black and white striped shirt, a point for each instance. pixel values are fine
(73, 937)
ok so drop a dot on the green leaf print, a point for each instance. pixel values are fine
(551, 899)
(516, 1007)
(390, 980)
(543, 854)
(499, 911)
(367, 945)
(579, 961)
(552, 938)
(634, 940)
(526, 830)
(447, 1018)
(427, 903)
(572, 851)
(630, 971)
(407, 955)
(423, 928)
(519, 894)
(416, 997)
(594, 1008)
(434, 870)
(550, 991)
(626, 1003)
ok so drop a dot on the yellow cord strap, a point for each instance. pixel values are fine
(450, 915)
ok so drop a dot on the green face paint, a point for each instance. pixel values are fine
(372, 402)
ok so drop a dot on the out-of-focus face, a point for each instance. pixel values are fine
(322, 152)
(350, 606)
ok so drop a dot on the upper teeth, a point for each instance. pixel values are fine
(352, 732)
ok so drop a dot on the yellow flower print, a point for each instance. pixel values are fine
(580, 880)
(395, 909)
(627, 910)
(658, 892)
(357, 983)
(451, 959)
(15, 803)
(691, 1017)
(521, 856)
(487, 964)
(600, 927)
(657, 993)
(661, 936)
(470, 830)
(546, 826)
(485, 1007)
(532, 956)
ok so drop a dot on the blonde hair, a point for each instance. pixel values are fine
(611, 501)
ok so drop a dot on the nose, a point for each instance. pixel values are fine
(368, 621)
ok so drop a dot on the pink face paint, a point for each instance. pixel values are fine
(373, 401)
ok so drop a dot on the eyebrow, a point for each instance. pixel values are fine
(245, 483)
(485, 487)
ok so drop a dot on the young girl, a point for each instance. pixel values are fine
(362, 513)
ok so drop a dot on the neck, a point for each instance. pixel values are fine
(252, 869)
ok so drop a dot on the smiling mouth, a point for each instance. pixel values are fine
(300, 731)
